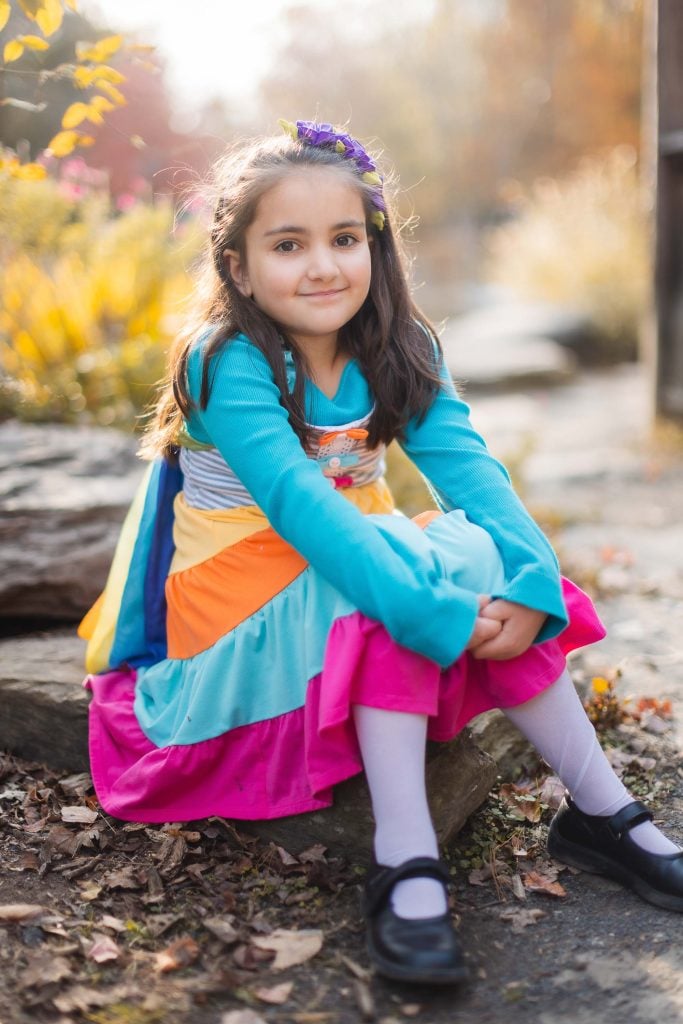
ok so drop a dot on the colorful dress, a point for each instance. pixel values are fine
(259, 590)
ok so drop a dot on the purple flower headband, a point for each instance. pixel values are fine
(325, 136)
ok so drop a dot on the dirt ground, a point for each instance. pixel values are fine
(109, 923)
(112, 923)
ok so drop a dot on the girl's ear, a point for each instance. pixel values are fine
(237, 270)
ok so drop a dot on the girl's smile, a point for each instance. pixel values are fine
(307, 259)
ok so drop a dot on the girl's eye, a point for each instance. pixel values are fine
(287, 245)
(346, 241)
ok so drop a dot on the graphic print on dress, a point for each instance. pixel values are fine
(344, 456)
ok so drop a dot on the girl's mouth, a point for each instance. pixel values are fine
(322, 294)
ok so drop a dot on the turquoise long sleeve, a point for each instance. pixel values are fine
(461, 473)
(392, 575)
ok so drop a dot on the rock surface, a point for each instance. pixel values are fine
(44, 707)
(64, 492)
(459, 777)
(508, 345)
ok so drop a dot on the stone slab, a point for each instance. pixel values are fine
(459, 778)
(506, 363)
(64, 492)
(44, 709)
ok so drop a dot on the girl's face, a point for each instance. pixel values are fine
(307, 256)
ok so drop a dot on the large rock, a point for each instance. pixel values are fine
(459, 778)
(512, 344)
(64, 492)
(44, 718)
(44, 707)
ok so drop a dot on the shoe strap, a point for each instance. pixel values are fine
(381, 880)
(627, 818)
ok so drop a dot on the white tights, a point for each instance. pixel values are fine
(393, 743)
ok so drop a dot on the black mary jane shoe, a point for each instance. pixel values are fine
(603, 845)
(423, 950)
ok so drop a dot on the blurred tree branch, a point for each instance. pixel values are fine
(49, 58)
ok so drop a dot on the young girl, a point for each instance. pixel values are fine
(272, 626)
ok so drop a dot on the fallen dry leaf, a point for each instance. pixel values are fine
(551, 792)
(523, 803)
(28, 861)
(180, 953)
(121, 878)
(21, 911)
(79, 815)
(654, 705)
(171, 855)
(479, 876)
(521, 919)
(290, 947)
(275, 994)
(287, 858)
(222, 928)
(103, 949)
(35, 826)
(77, 784)
(114, 923)
(242, 1017)
(90, 891)
(12, 793)
(314, 854)
(249, 958)
(43, 969)
(82, 998)
(536, 881)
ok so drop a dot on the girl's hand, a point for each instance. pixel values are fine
(484, 629)
(519, 628)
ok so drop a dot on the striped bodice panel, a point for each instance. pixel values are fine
(341, 452)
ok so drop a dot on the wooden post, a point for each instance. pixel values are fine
(668, 283)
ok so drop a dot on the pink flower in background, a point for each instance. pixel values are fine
(71, 190)
(125, 202)
(77, 180)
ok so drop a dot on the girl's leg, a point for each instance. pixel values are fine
(558, 726)
(392, 745)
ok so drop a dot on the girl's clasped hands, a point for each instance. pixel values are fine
(503, 629)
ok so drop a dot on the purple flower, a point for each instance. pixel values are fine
(325, 135)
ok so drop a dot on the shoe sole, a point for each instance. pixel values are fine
(597, 864)
(426, 976)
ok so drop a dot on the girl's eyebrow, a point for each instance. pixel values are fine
(293, 229)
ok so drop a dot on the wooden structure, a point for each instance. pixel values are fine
(667, 36)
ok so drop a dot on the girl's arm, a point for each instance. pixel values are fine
(385, 566)
(461, 473)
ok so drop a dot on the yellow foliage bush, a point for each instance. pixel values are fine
(88, 303)
(583, 242)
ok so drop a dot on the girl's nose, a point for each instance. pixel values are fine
(322, 264)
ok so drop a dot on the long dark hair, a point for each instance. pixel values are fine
(395, 345)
